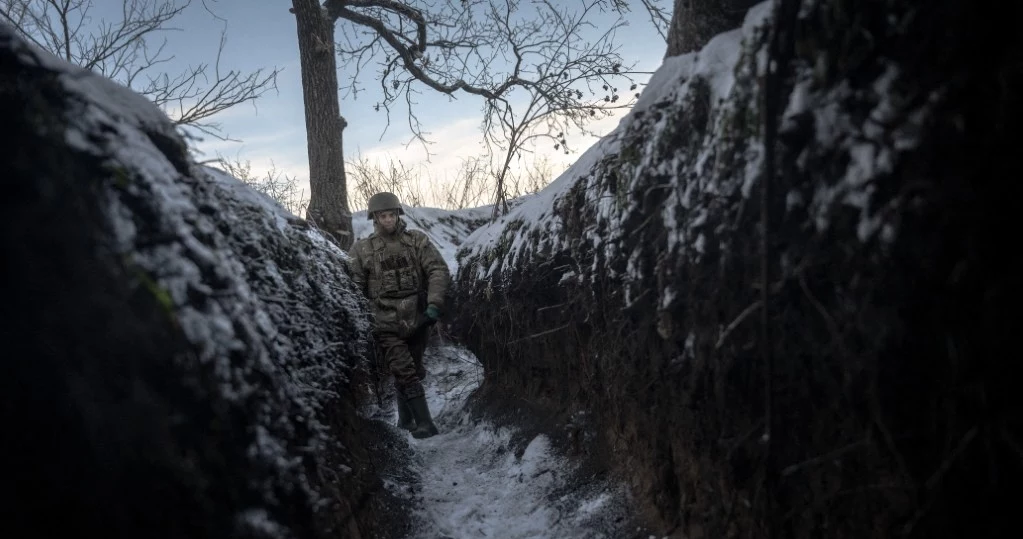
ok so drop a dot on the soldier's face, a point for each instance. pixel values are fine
(388, 219)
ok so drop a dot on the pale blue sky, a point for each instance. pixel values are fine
(262, 33)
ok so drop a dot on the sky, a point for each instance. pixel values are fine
(270, 132)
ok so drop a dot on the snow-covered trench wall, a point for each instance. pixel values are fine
(871, 400)
(181, 356)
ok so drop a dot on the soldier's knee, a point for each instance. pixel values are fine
(411, 390)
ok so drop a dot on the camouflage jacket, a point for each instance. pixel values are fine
(400, 274)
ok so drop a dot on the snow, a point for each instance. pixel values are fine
(503, 500)
(471, 481)
(267, 344)
(247, 195)
(475, 484)
(872, 145)
(699, 192)
(447, 229)
(698, 175)
(538, 208)
(257, 523)
(714, 65)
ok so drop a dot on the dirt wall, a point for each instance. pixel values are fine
(861, 389)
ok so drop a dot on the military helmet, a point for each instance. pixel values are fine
(384, 201)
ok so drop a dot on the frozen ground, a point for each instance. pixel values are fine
(478, 480)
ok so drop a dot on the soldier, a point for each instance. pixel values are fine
(405, 279)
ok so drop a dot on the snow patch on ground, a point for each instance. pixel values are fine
(473, 482)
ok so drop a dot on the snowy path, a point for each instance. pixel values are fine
(473, 484)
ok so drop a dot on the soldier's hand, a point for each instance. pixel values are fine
(432, 312)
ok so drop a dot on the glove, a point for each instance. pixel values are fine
(432, 312)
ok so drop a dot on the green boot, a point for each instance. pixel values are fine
(421, 412)
(405, 419)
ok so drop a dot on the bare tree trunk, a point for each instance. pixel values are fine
(328, 197)
(694, 22)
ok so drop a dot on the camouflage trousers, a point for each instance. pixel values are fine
(403, 358)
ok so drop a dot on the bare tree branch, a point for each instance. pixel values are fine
(128, 49)
(541, 68)
(277, 185)
(411, 54)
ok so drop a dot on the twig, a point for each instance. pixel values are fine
(735, 323)
(886, 434)
(943, 469)
(936, 478)
(635, 300)
(823, 501)
(541, 334)
(789, 470)
(1011, 443)
(828, 319)
(744, 438)
(549, 307)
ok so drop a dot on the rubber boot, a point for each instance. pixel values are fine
(421, 412)
(405, 419)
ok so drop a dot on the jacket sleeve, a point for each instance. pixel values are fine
(436, 271)
(356, 268)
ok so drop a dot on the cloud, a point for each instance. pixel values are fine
(437, 163)
(448, 146)
(462, 139)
